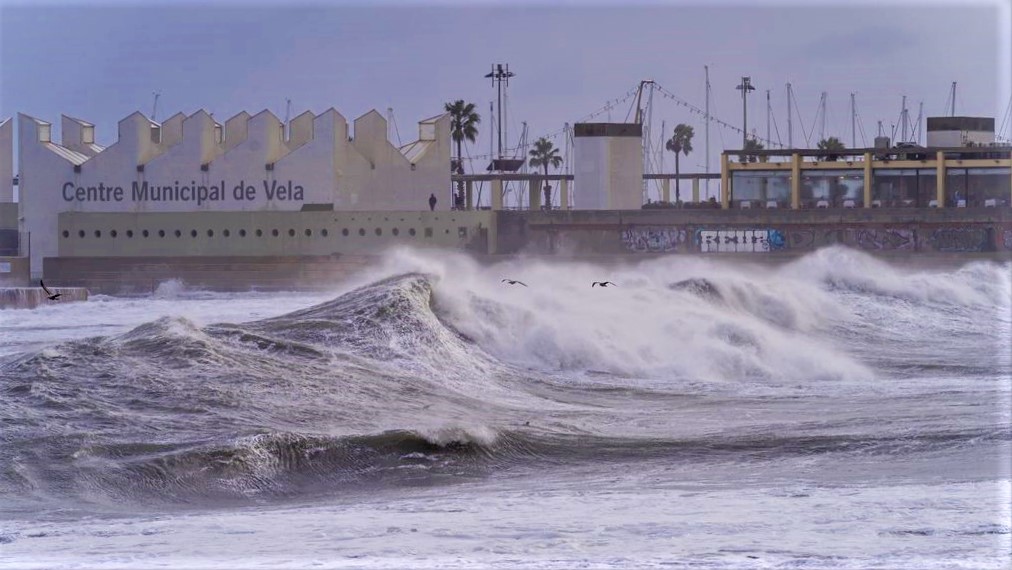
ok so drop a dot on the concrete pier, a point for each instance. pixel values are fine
(31, 297)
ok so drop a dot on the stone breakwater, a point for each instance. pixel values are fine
(29, 297)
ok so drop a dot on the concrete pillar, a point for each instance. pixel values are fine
(940, 178)
(725, 189)
(496, 194)
(564, 194)
(869, 180)
(666, 190)
(534, 194)
(469, 194)
(795, 181)
(695, 190)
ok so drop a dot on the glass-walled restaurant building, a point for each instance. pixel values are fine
(972, 177)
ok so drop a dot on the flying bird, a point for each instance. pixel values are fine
(49, 294)
(513, 282)
(602, 284)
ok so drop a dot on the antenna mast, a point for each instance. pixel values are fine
(903, 120)
(745, 86)
(499, 76)
(769, 111)
(953, 114)
(706, 68)
(154, 107)
(790, 122)
(822, 114)
(853, 122)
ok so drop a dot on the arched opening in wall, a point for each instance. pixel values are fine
(260, 233)
(274, 232)
(98, 233)
(144, 233)
(80, 233)
(66, 234)
(242, 233)
(130, 233)
(193, 233)
(396, 232)
(411, 232)
(361, 231)
(291, 232)
(309, 232)
(179, 233)
(210, 233)
(113, 233)
(226, 233)
(324, 232)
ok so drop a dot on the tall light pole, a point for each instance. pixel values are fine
(745, 86)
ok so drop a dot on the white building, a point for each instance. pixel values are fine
(945, 132)
(249, 163)
(609, 166)
(6, 161)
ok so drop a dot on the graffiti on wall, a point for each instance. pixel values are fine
(653, 240)
(882, 238)
(740, 240)
(959, 239)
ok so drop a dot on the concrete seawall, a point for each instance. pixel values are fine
(31, 297)
(759, 233)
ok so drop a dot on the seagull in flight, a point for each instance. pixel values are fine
(513, 282)
(49, 294)
(602, 284)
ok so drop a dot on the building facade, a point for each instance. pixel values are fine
(248, 164)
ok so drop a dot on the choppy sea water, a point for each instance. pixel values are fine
(834, 412)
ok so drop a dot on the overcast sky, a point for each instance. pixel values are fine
(100, 63)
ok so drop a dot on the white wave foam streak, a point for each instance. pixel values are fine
(642, 327)
(975, 283)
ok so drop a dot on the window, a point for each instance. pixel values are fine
(156, 134)
(344, 232)
(242, 233)
(98, 233)
(397, 232)
(274, 232)
(144, 233)
(210, 233)
(260, 233)
(80, 233)
(832, 187)
(193, 233)
(88, 135)
(45, 133)
(760, 186)
(361, 231)
(324, 232)
(178, 233)
(309, 232)
(226, 233)
(379, 232)
(291, 232)
(66, 234)
(130, 233)
(411, 232)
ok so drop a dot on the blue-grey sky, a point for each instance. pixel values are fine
(102, 62)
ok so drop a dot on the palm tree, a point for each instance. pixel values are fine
(544, 154)
(680, 142)
(751, 145)
(463, 125)
(832, 143)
